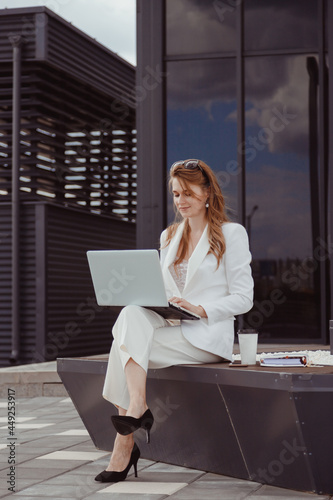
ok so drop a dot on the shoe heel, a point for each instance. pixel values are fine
(135, 469)
(148, 436)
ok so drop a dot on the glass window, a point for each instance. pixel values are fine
(198, 26)
(201, 119)
(282, 194)
(280, 24)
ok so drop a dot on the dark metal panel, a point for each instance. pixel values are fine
(41, 30)
(269, 436)
(318, 100)
(151, 217)
(17, 22)
(58, 313)
(241, 217)
(41, 291)
(5, 284)
(27, 283)
(73, 148)
(96, 65)
(315, 410)
(330, 152)
(193, 431)
(213, 374)
(78, 141)
(15, 192)
(75, 325)
(27, 288)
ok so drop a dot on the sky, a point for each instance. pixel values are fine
(111, 22)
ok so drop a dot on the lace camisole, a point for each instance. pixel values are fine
(179, 274)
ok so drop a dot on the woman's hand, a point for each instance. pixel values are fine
(199, 310)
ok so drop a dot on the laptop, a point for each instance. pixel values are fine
(132, 277)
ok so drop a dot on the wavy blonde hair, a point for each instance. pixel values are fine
(216, 215)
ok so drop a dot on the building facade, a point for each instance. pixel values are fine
(67, 182)
(244, 85)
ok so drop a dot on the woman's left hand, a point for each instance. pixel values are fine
(199, 310)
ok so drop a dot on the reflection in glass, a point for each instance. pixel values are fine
(198, 26)
(280, 24)
(282, 194)
(201, 119)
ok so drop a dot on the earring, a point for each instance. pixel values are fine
(207, 204)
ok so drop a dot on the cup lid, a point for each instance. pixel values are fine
(247, 330)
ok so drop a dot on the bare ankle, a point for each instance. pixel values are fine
(137, 407)
(124, 441)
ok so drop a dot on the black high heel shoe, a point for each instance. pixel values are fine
(126, 425)
(114, 476)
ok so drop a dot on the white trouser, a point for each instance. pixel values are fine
(151, 342)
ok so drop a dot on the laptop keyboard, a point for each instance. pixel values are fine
(180, 308)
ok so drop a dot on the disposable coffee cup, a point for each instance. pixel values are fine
(248, 342)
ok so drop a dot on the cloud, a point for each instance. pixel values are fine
(194, 26)
(280, 226)
(276, 24)
(198, 84)
(282, 82)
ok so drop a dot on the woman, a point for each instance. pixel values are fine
(206, 268)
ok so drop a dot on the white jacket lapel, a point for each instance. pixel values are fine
(173, 246)
(170, 258)
(198, 255)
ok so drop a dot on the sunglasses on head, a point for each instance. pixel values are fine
(190, 164)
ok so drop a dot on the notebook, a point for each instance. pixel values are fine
(284, 360)
(132, 277)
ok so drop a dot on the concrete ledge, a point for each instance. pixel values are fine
(33, 390)
(38, 379)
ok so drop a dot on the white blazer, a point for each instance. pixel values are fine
(223, 292)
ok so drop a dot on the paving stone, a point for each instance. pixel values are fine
(40, 474)
(80, 485)
(210, 476)
(161, 467)
(71, 456)
(21, 483)
(21, 458)
(125, 496)
(267, 492)
(53, 464)
(43, 491)
(17, 496)
(216, 490)
(137, 487)
(56, 443)
(70, 478)
(148, 475)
